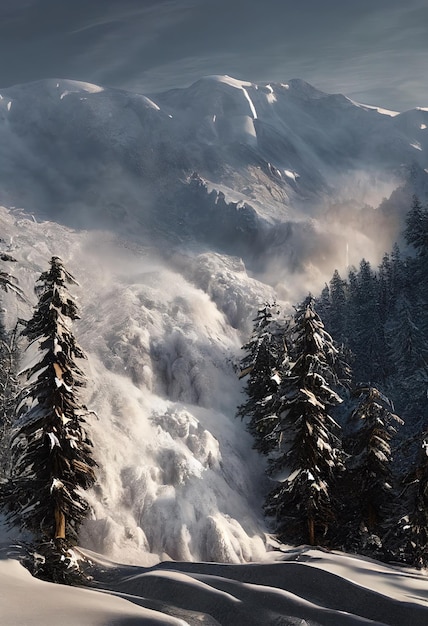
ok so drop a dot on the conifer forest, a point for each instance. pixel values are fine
(336, 398)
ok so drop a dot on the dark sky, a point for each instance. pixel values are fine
(375, 51)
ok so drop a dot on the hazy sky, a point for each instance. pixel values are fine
(375, 51)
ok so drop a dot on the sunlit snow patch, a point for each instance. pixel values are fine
(237, 84)
(293, 175)
(271, 97)
(76, 86)
(151, 104)
(89, 87)
(369, 107)
(416, 146)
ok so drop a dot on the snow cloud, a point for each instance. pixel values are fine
(374, 52)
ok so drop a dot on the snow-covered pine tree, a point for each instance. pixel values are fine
(263, 364)
(333, 307)
(416, 235)
(8, 392)
(8, 358)
(7, 281)
(408, 350)
(323, 304)
(410, 539)
(51, 452)
(392, 281)
(416, 232)
(338, 315)
(372, 425)
(309, 454)
(369, 341)
(385, 278)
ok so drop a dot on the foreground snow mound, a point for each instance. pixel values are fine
(26, 600)
(308, 587)
(301, 586)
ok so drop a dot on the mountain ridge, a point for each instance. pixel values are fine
(93, 156)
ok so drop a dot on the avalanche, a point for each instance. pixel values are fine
(178, 479)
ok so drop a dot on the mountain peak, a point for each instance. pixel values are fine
(227, 80)
(297, 84)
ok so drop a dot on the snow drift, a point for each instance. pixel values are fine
(301, 586)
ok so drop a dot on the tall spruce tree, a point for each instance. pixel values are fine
(51, 452)
(8, 392)
(410, 539)
(338, 314)
(416, 235)
(309, 454)
(408, 350)
(369, 347)
(8, 366)
(265, 359)
(369, 469)
(416, 232)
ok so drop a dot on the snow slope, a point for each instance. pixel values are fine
(46, 603)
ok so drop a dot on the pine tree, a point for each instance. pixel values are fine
(265, 359)
(309, 451)
(385, 287)
(8, 360)
(399, 279)
(8, 392)
(338, 315)
(408, 350)
(369, 474)
(323, 305)
(416, 235)
(406, 328)
(416, 232)
(367, 339)
(410, 540)
(51, 452)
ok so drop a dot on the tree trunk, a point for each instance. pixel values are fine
(371, 517)
(59, 524)
(311, 529)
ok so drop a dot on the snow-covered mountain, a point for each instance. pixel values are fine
(230, 165)
(179, 213)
